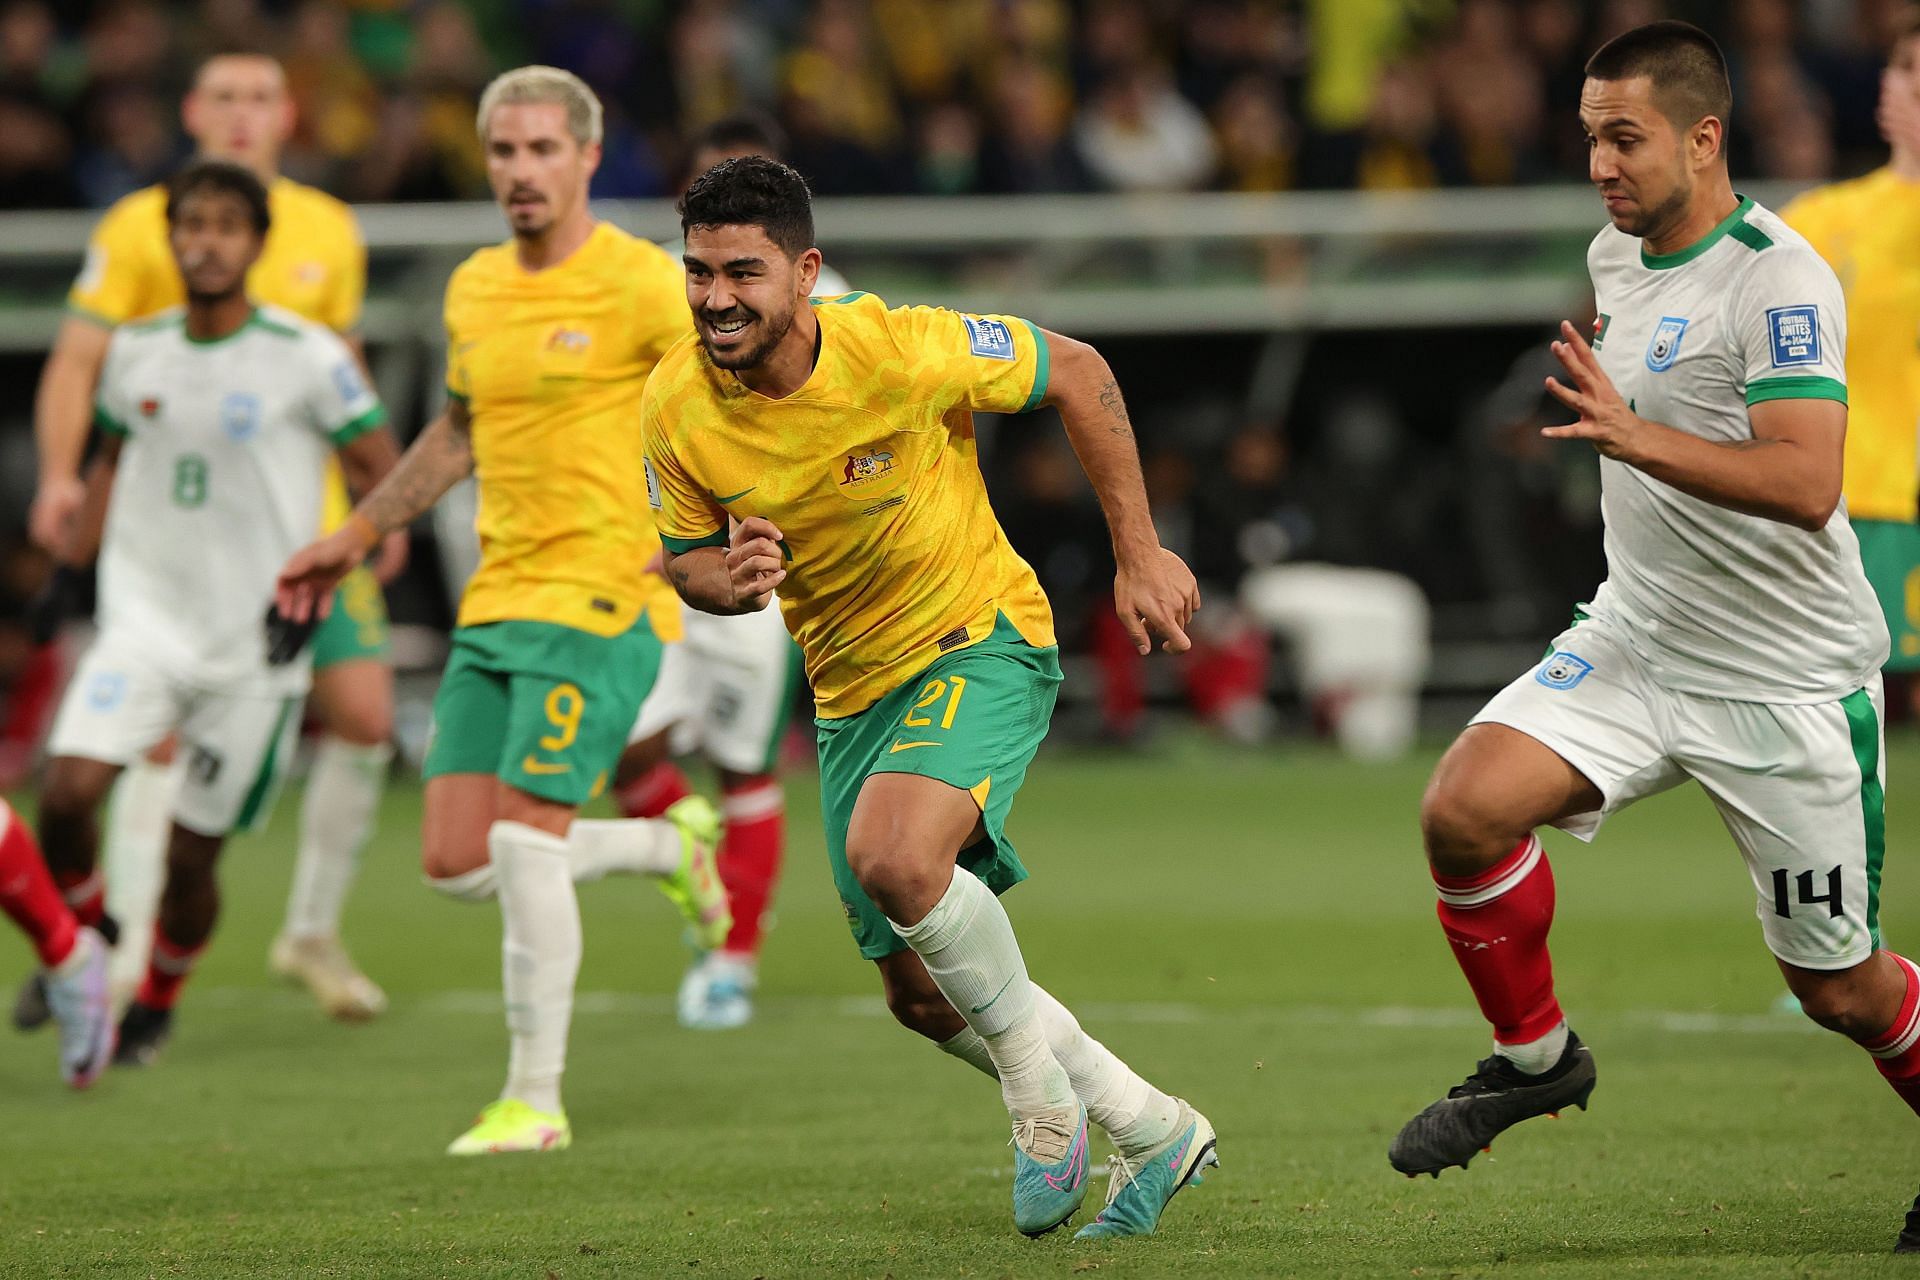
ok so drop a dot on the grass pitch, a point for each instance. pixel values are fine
(1253, 931)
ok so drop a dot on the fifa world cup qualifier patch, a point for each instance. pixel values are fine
(1796, 335)
(1563, 670)
(989, 338)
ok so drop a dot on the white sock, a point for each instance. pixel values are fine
(630, 846)
(478, 885)
(1536, 1056)
(1137, 1116)
(336, 817)
(139, 826)
(968, 946)
(540, 957)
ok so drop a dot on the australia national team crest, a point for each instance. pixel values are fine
(1562, 670)
(863, 469)
(240, 415)
(1664, 348)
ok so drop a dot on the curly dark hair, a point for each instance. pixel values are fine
(224, 176)
(752, 191)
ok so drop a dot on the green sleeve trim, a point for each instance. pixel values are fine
(680, 546)
(842, 300)
(79, 312)
(348, 432)
(1796, 389)
(1751, 236)
(108, 423)
(461, 396)
(1042, 359)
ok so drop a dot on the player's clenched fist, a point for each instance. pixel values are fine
(756, 561)
(1156, 596)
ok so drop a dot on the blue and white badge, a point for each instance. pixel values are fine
(106, 691)
(1664, 348)
(989, 338)
(346, 381)
(240, 415)
(1563, 670)
(1796, 335)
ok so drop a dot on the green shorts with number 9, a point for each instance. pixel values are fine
(542, 707)
(972, 720)
(356, 627)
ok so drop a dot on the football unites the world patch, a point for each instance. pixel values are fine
(1795, 332)
(989, 338)
(1562, 670)
(1664, 347)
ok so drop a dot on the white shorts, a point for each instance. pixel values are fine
(1801, 788)
(118, 707)
(725, 690)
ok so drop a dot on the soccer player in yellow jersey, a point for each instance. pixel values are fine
(550, 338)
(826, 449)
(1868, 230)
(314, 265)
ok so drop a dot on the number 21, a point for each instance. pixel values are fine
(935, 690)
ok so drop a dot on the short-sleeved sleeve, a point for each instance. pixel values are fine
(111, 412)
(683, 511)
(1790, 328)
(991, 364)
(340, 403)
(124, 274)
(340, 311)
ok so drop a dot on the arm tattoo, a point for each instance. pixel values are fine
(1116, 408)
(439, 459)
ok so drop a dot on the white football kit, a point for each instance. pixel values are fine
(219, 482)
(1737, 651)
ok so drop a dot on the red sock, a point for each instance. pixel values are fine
(28, 895)
(653, 792)
(167, 971)
(85, 892)
(1498, 922)
(749, 857)
(1897, 1050)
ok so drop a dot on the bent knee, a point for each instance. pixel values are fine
(1464, 828)
(446, 859)
(927, 1014)
(1839, 1005)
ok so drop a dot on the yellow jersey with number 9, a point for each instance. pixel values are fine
(314, 264)
(871, 473)
(1868, 230)
(550, 365)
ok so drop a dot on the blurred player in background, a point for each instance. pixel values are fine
(551, 336)
(220, 418)
(1868, 230)
(314, 265)
(1735, 641)
(725, 692)
(835, 440)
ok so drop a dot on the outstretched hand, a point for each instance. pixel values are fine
(1156, 597)
(304, 590)
(1606, 420)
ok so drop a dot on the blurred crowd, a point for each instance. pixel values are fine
(928, 96)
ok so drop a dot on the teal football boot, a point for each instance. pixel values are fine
(1138, 1189)
(1046, 1195)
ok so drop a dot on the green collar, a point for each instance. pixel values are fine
(1680, 257)
(253, 318)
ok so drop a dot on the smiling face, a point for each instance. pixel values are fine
(1645, 165)
(538, 171)
(744, 291)
(214, 241)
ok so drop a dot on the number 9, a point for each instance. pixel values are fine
(564, 705)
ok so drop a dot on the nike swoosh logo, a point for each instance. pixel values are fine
(1076, 1170)
(730, 497)
(982, 1008)
(1173, 1162)
(908, 746)
(530, 765)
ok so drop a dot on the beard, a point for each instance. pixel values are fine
(747, 356)
(1648, 221)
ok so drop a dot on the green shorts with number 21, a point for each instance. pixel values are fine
(542, 707)
(972, 720)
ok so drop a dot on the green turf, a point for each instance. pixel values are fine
(1253, 930)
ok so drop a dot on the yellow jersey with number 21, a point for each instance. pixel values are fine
(871, 473)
